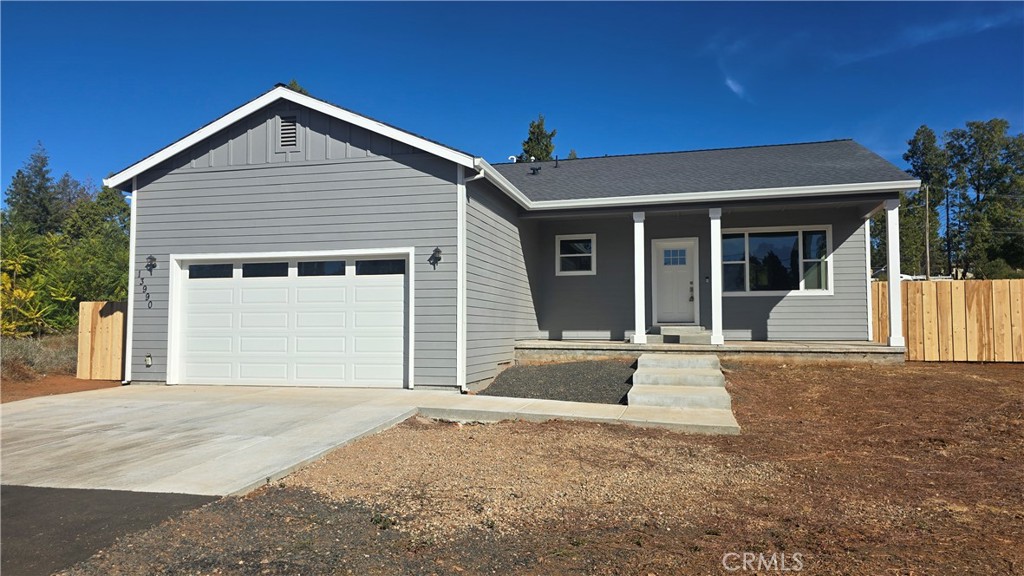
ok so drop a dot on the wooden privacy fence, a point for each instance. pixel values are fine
(101, 339)
(958, 320)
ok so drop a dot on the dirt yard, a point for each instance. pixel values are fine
(888, 470)
(11, 390)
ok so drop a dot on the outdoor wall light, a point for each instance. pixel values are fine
(435, 257)
(150, 263)
(149, 360)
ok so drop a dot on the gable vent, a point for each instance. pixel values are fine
(289, 132)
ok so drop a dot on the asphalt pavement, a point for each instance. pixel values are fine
(49, 529)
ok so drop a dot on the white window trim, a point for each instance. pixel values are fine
(178, 275)
(593, 254)
(800, 292)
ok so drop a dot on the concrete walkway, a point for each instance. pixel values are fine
(222, 440)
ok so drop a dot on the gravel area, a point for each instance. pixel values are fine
(599, 381)
(861, 469)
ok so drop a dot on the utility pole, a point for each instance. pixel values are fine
(927, 236)
(949, 245)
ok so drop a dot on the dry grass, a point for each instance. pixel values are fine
(30, 358)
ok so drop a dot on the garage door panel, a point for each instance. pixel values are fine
(263, 371)
(320, 295)
(200, 321)
(199, 296)
(380, 292)
(376, 372)
(315, 344)
(376, 344)
(319, 373)
(208, 370)
(263, 320)
(222, 344)
(264, 295)
(275, 345)
(320, 320)
(322, 330)
(378, 319)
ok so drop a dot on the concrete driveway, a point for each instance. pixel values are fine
(227, 440)
(209, 440)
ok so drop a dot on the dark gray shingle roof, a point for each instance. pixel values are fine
(780, 166)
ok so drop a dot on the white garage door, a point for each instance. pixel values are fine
(329, 322)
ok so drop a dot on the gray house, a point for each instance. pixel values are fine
(294, 242)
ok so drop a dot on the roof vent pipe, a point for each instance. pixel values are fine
(535, 170)
(556, 161)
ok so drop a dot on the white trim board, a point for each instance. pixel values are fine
(461, 356)
(176, 277)
(284, 93)
(726, 195)
(130, 330)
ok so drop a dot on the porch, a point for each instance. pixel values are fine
(785, 276)
(540, 351)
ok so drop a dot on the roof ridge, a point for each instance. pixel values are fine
(687, 151)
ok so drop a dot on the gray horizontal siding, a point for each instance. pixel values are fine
(841, 316)
(335, 196)
(499, 301)
(601, 306)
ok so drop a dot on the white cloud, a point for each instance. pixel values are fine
(735, 86)
(921, 34)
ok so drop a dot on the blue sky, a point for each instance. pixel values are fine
(104, 84)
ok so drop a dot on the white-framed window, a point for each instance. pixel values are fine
(778, 260)
(576, 255)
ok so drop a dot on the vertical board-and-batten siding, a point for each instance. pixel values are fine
(343, 189)
(499, 302)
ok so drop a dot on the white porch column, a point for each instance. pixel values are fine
(716, 276)
(639, 278)
(892, 243)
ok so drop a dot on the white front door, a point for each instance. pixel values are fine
(676, 289)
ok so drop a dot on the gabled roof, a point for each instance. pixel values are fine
(837, 166)
(282, 92)
(758, 172)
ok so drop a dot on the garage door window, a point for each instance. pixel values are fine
(327, 268)
(264, 269)
(203, 271)
(379, 267)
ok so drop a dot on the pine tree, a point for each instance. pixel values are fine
(294, 85)
(539, 143)
(32, 198)
(572, 154)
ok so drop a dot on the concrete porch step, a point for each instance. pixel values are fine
(673, 376)
(701, 339)
(681, 330)
(679, 361)
(679, 396)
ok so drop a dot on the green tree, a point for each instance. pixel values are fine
(920, 208)
(61, 244)
(985, 184)
(32, 198)
(539, 143)
(572, 154)
(294, 85)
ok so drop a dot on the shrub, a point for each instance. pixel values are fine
(28, 358)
